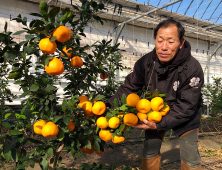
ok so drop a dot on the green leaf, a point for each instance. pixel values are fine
(6, 125)
(20, 138)
(44, 164)
(7, 152)
(50, 152)
(52, 38)
(9, 56)
(122, 126)
(100, 66)
(15, 75)
(7, 115)
(15, 133)
(32, 164)
(124, 107)
(29, 37)
(53, 12)
(56, 118)
(123, 99)
(66, 17)
(155, 93)
(24, 110)
(19, 32)
(66, 120)
(60, 135)
(162, 95)
(34, 87)
(64, 105)
(35, 14)
(19, 167)
(29, 50)
(88, 131)
(115, 102)
(96, 146)
(43, 7)
(14, 154)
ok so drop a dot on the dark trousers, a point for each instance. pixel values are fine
(188, 141)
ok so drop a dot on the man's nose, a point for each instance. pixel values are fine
(164, 46)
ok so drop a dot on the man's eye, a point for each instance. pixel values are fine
(171, 42)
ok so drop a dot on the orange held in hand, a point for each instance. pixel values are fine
(103, 76)
(105, 135)
(102, 123)
(165, 110)
(141, 116)
(76, 62)
(143, 106)
(55, 67)
(67, 52)
(71, 125)
(155, 117)
(130, 119)
(47, 46)
(50, 130)
(37, 127)
(118, 139)
(114, 122)
(62, 33)
(99, 108)
(157, 103)
(132, 99)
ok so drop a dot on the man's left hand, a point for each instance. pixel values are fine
(146, 125)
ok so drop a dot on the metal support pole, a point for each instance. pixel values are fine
(140, 16)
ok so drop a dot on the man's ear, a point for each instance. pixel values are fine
(182, 43)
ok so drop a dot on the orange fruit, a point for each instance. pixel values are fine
(157, 103)
(37, 127)
(83, 98)
(62, 33)
(165, 110)
(105, 135)
(130, 119)
(103, 76)
(66, 51)
(47, 46)
(87, 150)
(99, 108)
(102, 123)
(55, 67)
(100, 152)
(71, 125)
(119, 115)
(132, 99)
(143, 106)
(155, 117)
(141, 116)
(76, 61)
(118, 139)
(70, 35)
(87, 107)
(50, 130)
(114, 122)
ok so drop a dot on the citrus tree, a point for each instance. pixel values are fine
(54, 39)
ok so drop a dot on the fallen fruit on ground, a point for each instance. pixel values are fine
(141, 116)
(67, 52)
(54, 67)
(157, 103)
(50, 130)
(105, 135)
(47, 46)
(143, 106)
(114, 122)
(37, 127)
(165, 110)
(62, 33)
(118, 139)
(102, 123)
(130, 119)
(132, 99)
(76, 62)
(71, 125)
(155, 117)
(103, 76)
(98, 108)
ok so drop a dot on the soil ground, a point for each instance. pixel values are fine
(129, 153)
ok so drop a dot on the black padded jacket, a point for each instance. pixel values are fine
(181, 81)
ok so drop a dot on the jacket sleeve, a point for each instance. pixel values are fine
(134, 82)
(188, 99)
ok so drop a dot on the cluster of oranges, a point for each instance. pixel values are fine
(50, 129)
(55, 65)
(152, 110)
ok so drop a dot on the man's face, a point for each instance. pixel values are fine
(167, 43)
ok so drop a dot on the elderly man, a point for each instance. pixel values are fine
(172, 70)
